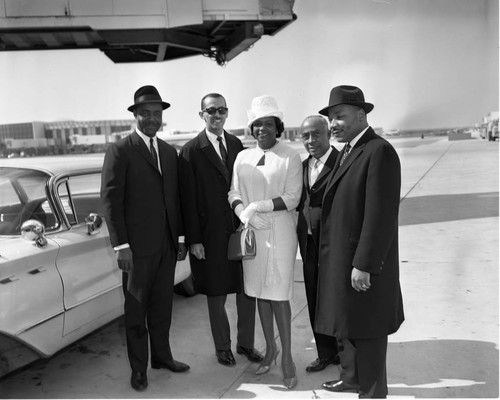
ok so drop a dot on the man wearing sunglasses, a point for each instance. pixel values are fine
(205, 171)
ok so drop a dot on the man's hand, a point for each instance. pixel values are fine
(197, 250)
(360, 280)
(182, 252)
(125, 259)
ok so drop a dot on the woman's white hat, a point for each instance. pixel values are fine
(263, 106)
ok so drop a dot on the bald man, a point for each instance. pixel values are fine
(318, 167)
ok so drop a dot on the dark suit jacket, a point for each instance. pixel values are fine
(359, 227)
(208, 217)
(140, 203)
(311, 200)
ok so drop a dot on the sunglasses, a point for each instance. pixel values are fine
(213, 110)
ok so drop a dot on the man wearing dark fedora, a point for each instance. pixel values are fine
(140, 195)
(359, 297)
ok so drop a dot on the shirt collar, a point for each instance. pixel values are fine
(324, 157)
(213, 137)
(146, 138)
(356, 139)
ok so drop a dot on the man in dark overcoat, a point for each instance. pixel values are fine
(315, 136)
(359, 294)
(205, 171)
(140, 195)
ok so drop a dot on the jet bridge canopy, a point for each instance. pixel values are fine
(142, 31)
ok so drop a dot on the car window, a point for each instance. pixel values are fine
(33, 185)
(80, 196)
(23, 197)
(8, 195)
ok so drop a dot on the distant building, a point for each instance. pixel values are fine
(60, 137)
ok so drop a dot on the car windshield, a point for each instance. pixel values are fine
(23, 197)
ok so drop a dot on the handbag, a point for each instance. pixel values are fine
(242, 244)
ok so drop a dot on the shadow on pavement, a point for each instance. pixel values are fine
(443, 368)
(447, 207)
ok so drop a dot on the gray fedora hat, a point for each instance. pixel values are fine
(345, 94)
(147, 94)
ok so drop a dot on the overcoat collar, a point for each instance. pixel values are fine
(213, 157)
(356, 151)
(143, 150)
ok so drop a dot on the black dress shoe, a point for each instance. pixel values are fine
(252, 354)
(139, 381)
(340, 386)
(225, 357)
(172, 365)
(321, 363)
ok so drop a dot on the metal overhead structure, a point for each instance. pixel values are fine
(142, 30)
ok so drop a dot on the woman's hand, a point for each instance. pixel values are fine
(247, 214)
(259, 222)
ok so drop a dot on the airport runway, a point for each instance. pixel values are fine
(447, 347)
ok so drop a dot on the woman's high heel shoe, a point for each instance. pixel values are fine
(290, 383)
(263, 368)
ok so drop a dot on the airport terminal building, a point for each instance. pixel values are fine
(60, 137)
(66, 137)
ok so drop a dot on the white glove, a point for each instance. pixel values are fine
(247, 214)
(265, 205)
(239, 209)
(259, 222)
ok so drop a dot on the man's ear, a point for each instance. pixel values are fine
(362, 114)
(201, 114)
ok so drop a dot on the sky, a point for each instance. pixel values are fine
(423, 63)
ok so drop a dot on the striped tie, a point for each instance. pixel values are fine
(223, 152)
(345, 153)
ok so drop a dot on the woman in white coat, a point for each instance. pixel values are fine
(265, 190)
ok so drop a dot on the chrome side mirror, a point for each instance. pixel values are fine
(94, 223)
(34, 231)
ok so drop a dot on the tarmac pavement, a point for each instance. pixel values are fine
(447, 346)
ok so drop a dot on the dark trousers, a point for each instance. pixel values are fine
(148, 290)
(363, 362)
(219, 322)
(326, 345)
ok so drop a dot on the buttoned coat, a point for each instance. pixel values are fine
(359, 228)
(208, 217)
(309, 207)
(140, 203)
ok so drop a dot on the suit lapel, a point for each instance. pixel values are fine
(232, 151)
(330, 163)
(142, 149)
(212, 155)
(306, 173)
(166, 168)
(356, 151)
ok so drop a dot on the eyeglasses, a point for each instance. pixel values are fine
(213, 110)
(313, 135)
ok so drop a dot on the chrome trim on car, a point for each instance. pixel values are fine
(43, 321)
(93, 297)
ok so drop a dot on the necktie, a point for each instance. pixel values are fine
(345, 153)
(153, 151)
(223, 152)
(314, 171)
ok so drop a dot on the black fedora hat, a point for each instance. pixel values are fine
(147, 94)
(345, 94)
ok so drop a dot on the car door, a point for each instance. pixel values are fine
(31, 291)
(86, 261)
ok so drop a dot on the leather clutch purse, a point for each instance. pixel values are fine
(242, 245)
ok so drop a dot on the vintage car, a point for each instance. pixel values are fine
(59, 279)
